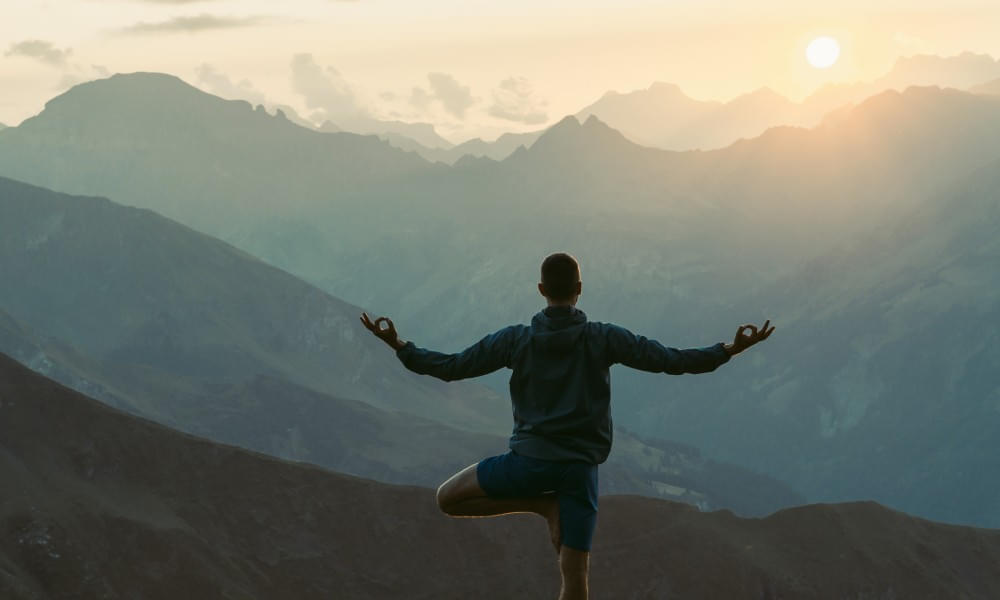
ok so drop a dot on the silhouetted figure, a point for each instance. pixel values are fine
(560, 391)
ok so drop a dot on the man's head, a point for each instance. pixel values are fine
(560, 279)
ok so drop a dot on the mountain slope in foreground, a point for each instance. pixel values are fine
(98, 503)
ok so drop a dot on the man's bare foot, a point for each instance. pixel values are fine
(552, 516)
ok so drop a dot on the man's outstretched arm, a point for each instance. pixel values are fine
(641, 353)
(485, 356)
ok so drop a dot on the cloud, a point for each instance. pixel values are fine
(40, 50)
(325, 91)
(70, 73)
(454, 97)
(220, 84)
(420, 98)
(203, 22)
(514, 100)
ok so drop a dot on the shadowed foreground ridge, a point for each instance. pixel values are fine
(98, 503)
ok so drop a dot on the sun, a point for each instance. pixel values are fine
(822, 52)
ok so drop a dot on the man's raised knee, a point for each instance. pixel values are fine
(444, 500)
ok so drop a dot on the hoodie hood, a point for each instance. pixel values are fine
(557, 328)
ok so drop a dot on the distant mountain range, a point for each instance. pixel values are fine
(990, 87)
(960, 71)
(169, 324)
(674, 245)
(662, 116)
(498, 149)
(109, 505)
(397, 133)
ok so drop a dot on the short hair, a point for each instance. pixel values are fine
(560, 274)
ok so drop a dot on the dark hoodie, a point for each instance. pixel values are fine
(560, 387)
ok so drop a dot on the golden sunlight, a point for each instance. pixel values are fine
(822, 52)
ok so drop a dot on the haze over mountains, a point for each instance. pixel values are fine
(844, 403)
(175, 326)
(662, 116)
(112, 506)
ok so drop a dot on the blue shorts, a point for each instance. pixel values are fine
(513, 475)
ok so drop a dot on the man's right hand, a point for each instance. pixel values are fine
(743, 341)
(387, 335)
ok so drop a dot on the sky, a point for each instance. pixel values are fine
(473, 68)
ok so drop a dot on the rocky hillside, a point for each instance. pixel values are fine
(101, 504)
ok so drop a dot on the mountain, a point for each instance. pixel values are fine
(422, 134)
(960, 71)
(679, 246)
(650, 117)
(745, 116)
(172, 300)
(113, 506)
(662, 116)
(498, 149)
(400, 133)
(223, 360)
(163, 128)
(990, 87)
(892, 336)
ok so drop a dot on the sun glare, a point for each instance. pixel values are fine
(822, 52)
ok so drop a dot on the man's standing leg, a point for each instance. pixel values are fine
(574, 565)
(463, 496)
(578, 491)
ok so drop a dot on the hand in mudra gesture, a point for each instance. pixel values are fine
(387, 335)
(742, 341)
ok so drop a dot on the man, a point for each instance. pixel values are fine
(560, 391)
